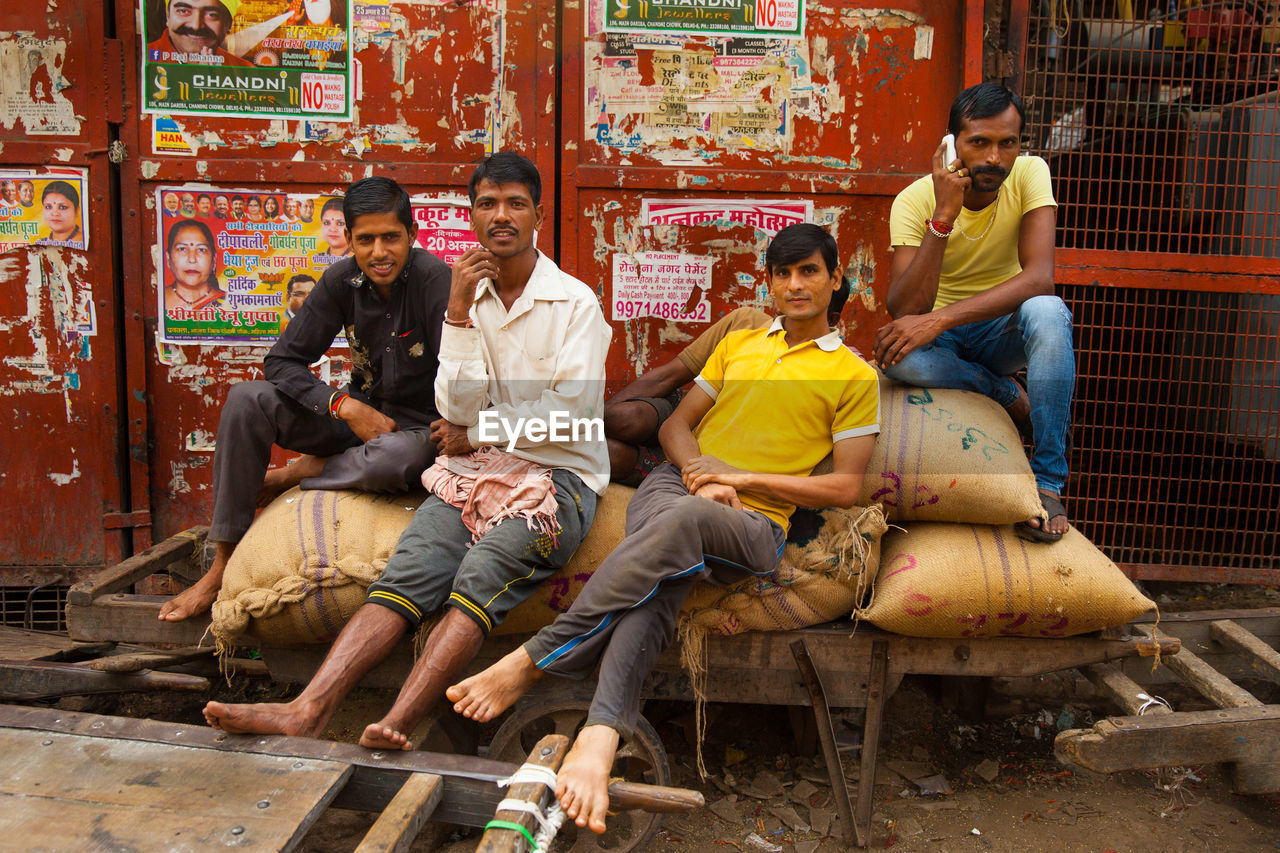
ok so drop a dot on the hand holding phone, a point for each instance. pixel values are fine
(950, 154)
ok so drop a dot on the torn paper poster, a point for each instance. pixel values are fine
(769, 216)
(669, 285)
(31, 96)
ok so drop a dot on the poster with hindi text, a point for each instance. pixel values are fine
(44, 207)
(248, 58)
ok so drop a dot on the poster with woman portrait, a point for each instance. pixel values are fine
(43, 208)
(235, 265)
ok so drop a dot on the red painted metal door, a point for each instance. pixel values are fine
(439, 84)
(66, 470)
(832, 125)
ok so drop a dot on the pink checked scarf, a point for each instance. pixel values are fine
(490, 485)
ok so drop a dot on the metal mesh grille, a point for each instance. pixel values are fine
(34, 608)
(1177, 442)
(1163, 132)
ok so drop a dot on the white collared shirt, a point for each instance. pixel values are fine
(545, 355)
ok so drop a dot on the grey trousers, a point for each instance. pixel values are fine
(625, 614)
(257, 415)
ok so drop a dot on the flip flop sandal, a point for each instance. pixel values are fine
(1053, 508)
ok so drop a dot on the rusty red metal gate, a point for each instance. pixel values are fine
(67, 478)
(1161, 124)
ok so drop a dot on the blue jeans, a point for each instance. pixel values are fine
(983, 357)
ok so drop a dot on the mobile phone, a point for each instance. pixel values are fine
(950, 141)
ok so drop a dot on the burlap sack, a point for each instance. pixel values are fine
(301, 570)
(962, 580)
(945, 455)
(823, 575)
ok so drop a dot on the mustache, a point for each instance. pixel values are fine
(995, 171)
(202, 33)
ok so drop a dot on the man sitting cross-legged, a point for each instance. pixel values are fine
(521, 340)
(372, 435)
(767, 407)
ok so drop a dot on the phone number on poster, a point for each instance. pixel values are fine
(626, 309)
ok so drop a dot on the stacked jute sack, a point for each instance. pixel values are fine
(948, 469)
(951, 472)
(302, 569)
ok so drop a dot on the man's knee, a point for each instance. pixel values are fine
(1048, 312)
(394, 461)
(914, 369)
(631, 421)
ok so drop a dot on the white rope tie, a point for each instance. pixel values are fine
(548, 824)
(1149, 701)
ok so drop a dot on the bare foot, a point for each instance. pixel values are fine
(378, 736)
(1020, 412)
(487, 694)
(192, 601)
(280, 480)
(582, 785)
(265, 719)
(1036, 530)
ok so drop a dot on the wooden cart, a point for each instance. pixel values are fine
(836, 665)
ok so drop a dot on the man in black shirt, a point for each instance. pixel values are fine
(373, 435)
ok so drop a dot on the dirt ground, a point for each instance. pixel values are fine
(996, 784)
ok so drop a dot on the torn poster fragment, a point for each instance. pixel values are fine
(31, 69)
(44, 208)
(769, 18)
(669, 285)
(769, 216)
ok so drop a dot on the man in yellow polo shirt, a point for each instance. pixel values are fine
(768, 405)
(971, 287)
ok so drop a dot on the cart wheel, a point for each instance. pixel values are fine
(641, 758)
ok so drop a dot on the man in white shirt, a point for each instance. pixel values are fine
(521, 340)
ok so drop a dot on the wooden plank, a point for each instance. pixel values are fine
(1122, 689)
(1262, 659)
(184, 545)
(21, 644)
(136, 661)
(548, 752)
(123, 618)
(1165, 740)
(1206, 680)
(27, 680)
(396, 828)
(871, 743)
(470, 794)
(73, 792)
(827, 737)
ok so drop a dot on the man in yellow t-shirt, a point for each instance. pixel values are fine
(767, 406)
(971, 287)
(633, 416)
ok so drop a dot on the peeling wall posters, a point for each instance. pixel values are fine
(238, 263)
(669, 285)
(44, 208)
(444, 226)
(769, 216)
(235, 264)
(31, 96)
(248, 58)
(653, 87)
(773, 18)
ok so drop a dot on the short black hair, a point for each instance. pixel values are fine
(61, 188)
(507, 167)
(840, 297)
(238, 198)
(375, 195)
(297, 278)
(204, 195)
(797, 242)
(984, 101)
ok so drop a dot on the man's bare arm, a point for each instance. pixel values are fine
(676, 433)
(659, 382)
(840, 488)
(1035, 253)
